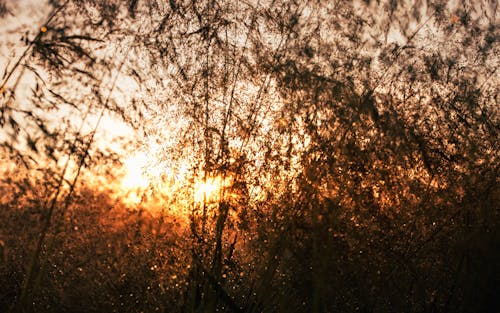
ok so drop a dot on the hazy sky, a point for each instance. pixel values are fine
(26, 17)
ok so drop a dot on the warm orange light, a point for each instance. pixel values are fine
(147, 179)
(208, 190)
(135, 176)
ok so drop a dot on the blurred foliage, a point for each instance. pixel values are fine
(357, 143)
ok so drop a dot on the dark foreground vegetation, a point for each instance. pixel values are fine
(357, 142)
(438, 255)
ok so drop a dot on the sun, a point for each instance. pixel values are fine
(146, 179)
(144, 176)
(209, 189)
(142, 173)
(206, 191)
(135, 169)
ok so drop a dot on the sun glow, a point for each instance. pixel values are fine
(143, 174)
(209, 189)
(147, 179)
(206, 191)
(135, 172)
